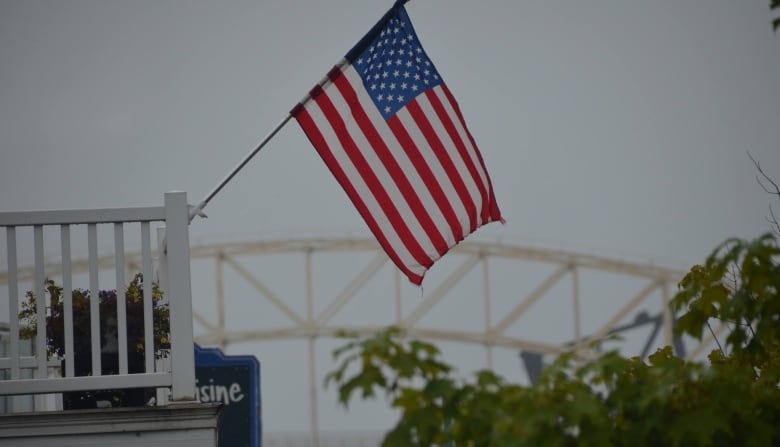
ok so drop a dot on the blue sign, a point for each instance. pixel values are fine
(234, 381)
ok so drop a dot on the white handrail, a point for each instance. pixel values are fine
(174, 270)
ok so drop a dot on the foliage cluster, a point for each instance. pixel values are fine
(107, 299)
(733, 399)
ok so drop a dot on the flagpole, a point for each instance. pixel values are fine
(198, 210)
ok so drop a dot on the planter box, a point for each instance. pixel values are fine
(129, 397)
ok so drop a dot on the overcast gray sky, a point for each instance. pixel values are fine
(609, 125)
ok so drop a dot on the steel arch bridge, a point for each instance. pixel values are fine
(237, 256)
(471, 256)
(522, 298)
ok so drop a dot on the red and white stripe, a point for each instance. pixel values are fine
(417, 179)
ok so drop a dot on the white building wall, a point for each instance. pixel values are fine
(178, 425)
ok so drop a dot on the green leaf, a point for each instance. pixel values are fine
(691, 323)
(417, 346)
(439, 388)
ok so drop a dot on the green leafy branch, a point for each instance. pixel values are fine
(609, 400)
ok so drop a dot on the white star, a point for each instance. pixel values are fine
(401, 51)
(406, 74)
(403, 86)
(391, 52)
(389, 97)
(414, 87)
(396, 30)
(400, 98)
(409, 63)
(387, 109)
(373, 86)
(403, 41)
(376, 75)
(396, 73)
(392, 86)
(398, 62)
(417, 76)
(382, 86)
(384, 74)
(360, 61)
(380, 97)
(427, 72)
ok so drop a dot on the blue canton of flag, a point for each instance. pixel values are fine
(395, 68)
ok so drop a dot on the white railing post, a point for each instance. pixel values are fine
(177, 239)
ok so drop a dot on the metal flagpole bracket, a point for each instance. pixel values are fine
(198, 211)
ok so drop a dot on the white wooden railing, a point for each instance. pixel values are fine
(172, 270)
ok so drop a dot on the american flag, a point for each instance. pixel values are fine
(392, 134)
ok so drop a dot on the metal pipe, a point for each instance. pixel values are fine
(198, 210)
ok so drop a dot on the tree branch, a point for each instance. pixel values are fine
(766, 178)
(770, 187)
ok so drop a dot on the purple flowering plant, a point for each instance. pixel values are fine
(107, 299)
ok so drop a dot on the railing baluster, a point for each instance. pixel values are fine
(121, 305)
(67, 294)
(162, 281)
(146, 263)
(94, 301)
(162, 261)
(40, 297)
(13, 300)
